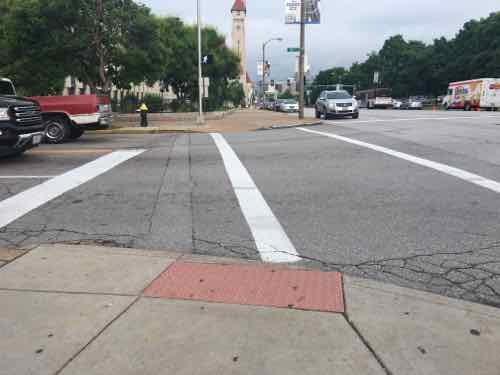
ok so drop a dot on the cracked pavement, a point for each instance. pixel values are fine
(344, 208)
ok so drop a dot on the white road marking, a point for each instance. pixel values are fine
(271, 240)
(408, 119)
(20, 204)
(452, 171)
(25, 177)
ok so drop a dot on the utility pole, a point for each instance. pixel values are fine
(301, 57)
(201, 120)
(264, 45)
(263, 72)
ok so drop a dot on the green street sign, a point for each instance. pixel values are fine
(293, 49)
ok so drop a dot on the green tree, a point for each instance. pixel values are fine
(181, 63)
(287, 95)
(235, 93)
(100, 42)
(31, 52)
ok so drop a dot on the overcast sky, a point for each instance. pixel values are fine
(349, 29)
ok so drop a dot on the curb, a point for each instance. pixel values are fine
(278, 127)
(150, 130)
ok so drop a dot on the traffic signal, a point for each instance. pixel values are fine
(207, 59)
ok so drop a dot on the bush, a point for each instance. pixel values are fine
(129, 103)
(154, 102)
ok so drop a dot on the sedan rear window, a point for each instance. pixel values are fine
(338, 95)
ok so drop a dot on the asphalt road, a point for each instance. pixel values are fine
(361, 208)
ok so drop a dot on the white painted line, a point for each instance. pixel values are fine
(271, 240)
(20, 204)
(452, 171)
(25, 177)
(406, 119)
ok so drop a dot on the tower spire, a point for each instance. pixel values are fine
(239, 6)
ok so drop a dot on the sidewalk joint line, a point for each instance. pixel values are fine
(66, 292)
(367, 344)
(73, 357)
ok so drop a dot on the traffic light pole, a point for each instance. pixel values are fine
(301, 58)
(201, 120)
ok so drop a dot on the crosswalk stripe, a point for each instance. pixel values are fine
(20, 204)
(447, 169)
(270, 238)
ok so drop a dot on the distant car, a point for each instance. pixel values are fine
(276, 105)
(400, 104)
(415, 104)
(407, 104)
(337, 103)
(288, 105)
(269, 104)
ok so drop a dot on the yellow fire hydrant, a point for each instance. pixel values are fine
(143, 109)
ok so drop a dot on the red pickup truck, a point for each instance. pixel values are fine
(67, 117)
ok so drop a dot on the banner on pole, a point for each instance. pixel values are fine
(313, 11)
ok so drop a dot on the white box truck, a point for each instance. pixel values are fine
(483, 93)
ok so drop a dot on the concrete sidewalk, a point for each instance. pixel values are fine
(93, 310)
(235, 122)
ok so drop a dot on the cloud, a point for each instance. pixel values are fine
(349, 29)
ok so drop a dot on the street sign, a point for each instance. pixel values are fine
(207, 59)
(206, 85)
(293, 49)
(260, 69)
(313, 11)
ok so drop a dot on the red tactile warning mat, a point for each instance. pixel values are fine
(251, 285)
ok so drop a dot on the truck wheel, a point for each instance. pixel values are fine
(76, 132)
(57, 130)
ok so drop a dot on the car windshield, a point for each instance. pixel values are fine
(289, 101)
(6, 88)
(338, 95)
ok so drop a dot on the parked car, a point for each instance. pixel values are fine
(336, 103)
(21, 125)
(288, 105)
(67, 117)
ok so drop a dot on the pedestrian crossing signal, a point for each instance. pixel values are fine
(207, 59)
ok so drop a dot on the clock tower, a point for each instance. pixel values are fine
(239, 45)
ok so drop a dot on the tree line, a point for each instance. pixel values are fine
(415, 68)
(106, 43)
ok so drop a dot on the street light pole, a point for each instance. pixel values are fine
(264, 63)
(301, 58)
(201, 120)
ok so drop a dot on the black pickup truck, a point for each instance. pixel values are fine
(21, 124)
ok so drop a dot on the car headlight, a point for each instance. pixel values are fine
(331, 105)
(4, 114)
(355, 103)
